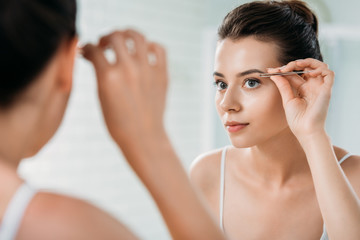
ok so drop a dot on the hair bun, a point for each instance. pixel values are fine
(302, 10)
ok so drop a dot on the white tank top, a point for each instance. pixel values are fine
(15, 211)
(324, 236)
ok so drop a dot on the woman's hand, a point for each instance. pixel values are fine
(305, 98)
(132, 93)
(132, 89)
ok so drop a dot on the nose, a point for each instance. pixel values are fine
(230, 101)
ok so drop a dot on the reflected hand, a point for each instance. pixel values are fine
(305, 98)
(132, 90)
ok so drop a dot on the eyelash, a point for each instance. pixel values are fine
(218, 82)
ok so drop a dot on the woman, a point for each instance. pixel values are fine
(37, 45)
(281, 178)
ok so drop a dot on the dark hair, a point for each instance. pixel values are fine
(30, 33)
(289, 24)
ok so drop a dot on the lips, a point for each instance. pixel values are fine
(235, 126)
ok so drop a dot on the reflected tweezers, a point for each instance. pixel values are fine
(283, 74)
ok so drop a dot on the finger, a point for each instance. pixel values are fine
(140, 44)
(117, 42)
(323, 71)
(295, 81)
(291, 66)
(273, 70)
(329, 77)
(95, 55)
(317, 67)
(159, 61)
(159, 53)
(311, 63)
(284, 87)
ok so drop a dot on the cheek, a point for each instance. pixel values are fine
(272, 110)
(218, 99)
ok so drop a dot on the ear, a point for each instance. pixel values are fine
(67, 58)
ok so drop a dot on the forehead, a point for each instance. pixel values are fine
(245, 53)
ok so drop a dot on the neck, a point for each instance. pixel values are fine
(16, 133)
(279, 159)
(19, 122)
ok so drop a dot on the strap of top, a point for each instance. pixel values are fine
(344, 158)
(222, 186)
(15, 211)
(324, 236)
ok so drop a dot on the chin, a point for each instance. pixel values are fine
(242, 143)
(247, 140)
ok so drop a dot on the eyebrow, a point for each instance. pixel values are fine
(240, 74)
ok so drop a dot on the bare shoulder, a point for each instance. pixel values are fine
(205, 170)
(351, 167)
(54, 216)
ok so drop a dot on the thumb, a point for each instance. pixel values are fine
(96, 56)
(284, 87)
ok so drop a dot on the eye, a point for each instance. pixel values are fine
(220, 85)
(251, 83)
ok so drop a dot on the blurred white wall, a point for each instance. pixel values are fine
(82, 161)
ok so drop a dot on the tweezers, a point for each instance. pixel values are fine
(283, 74)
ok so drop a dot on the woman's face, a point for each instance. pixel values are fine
(249, 106)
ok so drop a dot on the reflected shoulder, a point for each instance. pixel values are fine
(55, 216)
